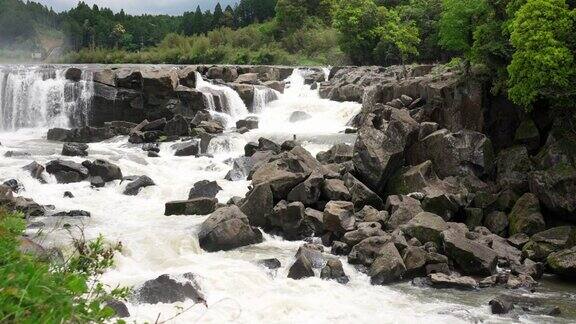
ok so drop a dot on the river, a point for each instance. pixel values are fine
(237, 289)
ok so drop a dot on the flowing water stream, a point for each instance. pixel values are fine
(237, 289)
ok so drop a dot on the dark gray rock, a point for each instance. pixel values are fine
(388, 267)
(104, 169)
(133, 188)
(471, 257)
(75, 149)
(196, 206)
(334, 271)
(204, 188)
(168, 290)
(187, 149)
(226, 229)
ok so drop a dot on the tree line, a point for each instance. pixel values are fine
(526, 48)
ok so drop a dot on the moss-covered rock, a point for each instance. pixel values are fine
(526, 217)
(528, 134)
(556, 189)
(426, 227)
(549, 241)
(563, 262)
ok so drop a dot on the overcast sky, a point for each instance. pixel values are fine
(172, 7)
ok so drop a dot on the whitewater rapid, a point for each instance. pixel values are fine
(237, 289)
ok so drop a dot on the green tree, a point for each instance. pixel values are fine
(426, 15)
(458, 23)
(360, 25)
(218, 16)
(400, 36)
(543, 64)
(290, 14)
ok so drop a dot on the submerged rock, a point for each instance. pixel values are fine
(133, 188)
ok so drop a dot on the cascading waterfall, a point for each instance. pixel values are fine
(229, 101)
(263, 96)
(42, 97)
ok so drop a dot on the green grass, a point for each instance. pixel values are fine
(37, 291)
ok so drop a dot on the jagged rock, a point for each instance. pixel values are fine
(133, 188)
(472, 258)
(155, 125)
(224, 73)
(177, 126)
(211, 127)
(388, 267)
(282, 174)
(528, 267)
(187, 149)
(265, 144)
(104, 169)
(452, 153)
(299, 116)
(372, 215)
(196, 206)
(526, 217)
(339, 216)
(168, 289)
(68, 194)
(507, 254)
(75, 149)
(248, 78)
(415, 260)
(555, 189)
(440, 280)
(302, 268)
(363, 232)
(334, 271)
(85, 134)
(340, 248)
(67, 171)
(339, 153)
(308, 192)
(204, 188)
(549, 241)
(402, 209)
(563, 263)
(361, 194)
(291, 219)
(426, 227)
(335, 189)
(496, 222)
(258, 205)
(365, 252)
(513, 167)
(518, 240)
(474, 217)
(226, 229)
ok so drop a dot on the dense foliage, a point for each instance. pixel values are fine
(35, 290)
(525, 48)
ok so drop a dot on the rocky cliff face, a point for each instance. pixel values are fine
(135, 93)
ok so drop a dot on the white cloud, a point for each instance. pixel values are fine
(173, 7)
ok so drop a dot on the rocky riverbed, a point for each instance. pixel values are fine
(325, 195)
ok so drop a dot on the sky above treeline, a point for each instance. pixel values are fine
(137, 7)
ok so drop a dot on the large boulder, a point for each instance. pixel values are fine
(563, 263)
(368, 250)
(226, 229)
(169, 289)
(339, 153)
(453, 153)
(402, 209)
(67, 171)
(334, 271)
(258, 205)
(195, 206)
(364, 231)
(361, 194)
(339, 217)
(555, 189)
(426, 227)
(514, 165)
(549, 241)
(204, 188)
(472, 258)
(74, 149)
(308, 192)
(526, 217)
(388, 267)
(177, 126)
(291, 219)
(103, 169)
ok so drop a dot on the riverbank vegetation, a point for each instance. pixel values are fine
(39, 286)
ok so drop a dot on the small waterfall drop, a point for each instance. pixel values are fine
(263, 96)
(42, 97)
(222, 99)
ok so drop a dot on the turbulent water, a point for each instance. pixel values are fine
(236, 288)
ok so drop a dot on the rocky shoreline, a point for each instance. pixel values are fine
(445, 186)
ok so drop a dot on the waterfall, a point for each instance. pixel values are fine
(262, 96)
(42, 97)
(222, 99)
